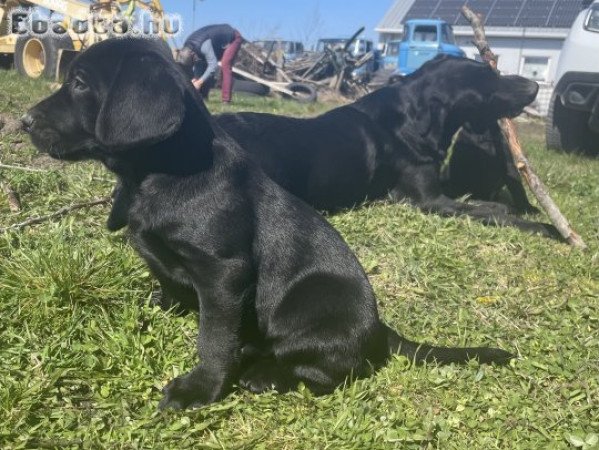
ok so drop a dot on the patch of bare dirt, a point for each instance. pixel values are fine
(43, 161)
(9, 124)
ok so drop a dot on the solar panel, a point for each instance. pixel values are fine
(421, 9)
(478, 6)
(564, 13)
(448, 10)
(535, 13)
(505, 13)
(501, 13)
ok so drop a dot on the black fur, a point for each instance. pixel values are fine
(392, 142)
(481, 165)
(281, 297)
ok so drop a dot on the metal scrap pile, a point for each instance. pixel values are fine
(334, 72)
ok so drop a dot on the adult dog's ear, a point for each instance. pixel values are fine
(144, 105)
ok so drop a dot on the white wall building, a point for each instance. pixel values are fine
(527, 35)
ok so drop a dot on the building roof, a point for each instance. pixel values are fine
(497, 13)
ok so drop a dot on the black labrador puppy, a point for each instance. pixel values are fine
(481, 165)
(391, 142)
(281, 297)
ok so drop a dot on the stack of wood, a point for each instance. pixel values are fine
(327, 71)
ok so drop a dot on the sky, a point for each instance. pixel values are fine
(301, 20)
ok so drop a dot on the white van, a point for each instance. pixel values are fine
(573, 117)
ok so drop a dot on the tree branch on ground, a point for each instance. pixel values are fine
(57, 214)
(523, 165)
(24, 168)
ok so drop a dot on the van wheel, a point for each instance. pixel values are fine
(37, 56)
(568, 130)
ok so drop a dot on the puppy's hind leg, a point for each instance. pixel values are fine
(265, 374)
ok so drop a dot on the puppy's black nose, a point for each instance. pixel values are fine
(27, 122)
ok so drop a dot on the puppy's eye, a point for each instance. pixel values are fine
(78, 84)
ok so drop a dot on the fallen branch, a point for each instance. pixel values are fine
(536, 185)
(24, 168)
(13, 199)
(61, 212)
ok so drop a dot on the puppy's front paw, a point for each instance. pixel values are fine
(174, 397)
(160, 300)
(192, 391)
(179, 394)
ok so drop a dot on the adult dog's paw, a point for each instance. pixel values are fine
(528, 209)
(550, 231)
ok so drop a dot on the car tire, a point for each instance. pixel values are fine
(250, 87)
(567, 129)
(37, 56)
(304, 92)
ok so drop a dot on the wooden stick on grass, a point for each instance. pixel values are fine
(61, 212)
(23, 168)
(521, 161)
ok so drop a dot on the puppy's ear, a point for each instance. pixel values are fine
(144, 105)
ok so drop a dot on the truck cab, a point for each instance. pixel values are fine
(391, 54)
(423, 40)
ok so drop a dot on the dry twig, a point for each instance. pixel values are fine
(536, 185)
(61, 212)
(24, 168)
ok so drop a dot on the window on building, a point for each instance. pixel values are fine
(535, 67)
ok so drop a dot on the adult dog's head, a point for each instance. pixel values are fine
(473, 91)
(119, 94)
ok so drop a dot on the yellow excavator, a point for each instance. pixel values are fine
(45, 44)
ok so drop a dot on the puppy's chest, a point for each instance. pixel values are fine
(170, 217)
(189, 222)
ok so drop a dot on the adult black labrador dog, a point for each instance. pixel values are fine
(481, 165)
(281, 297)
(391, 142)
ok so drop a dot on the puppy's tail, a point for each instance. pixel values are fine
(420, 353)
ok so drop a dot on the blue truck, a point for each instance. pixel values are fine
(423, 39)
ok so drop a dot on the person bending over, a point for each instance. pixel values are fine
(202, 51)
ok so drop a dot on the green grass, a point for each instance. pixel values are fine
(83, 357)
